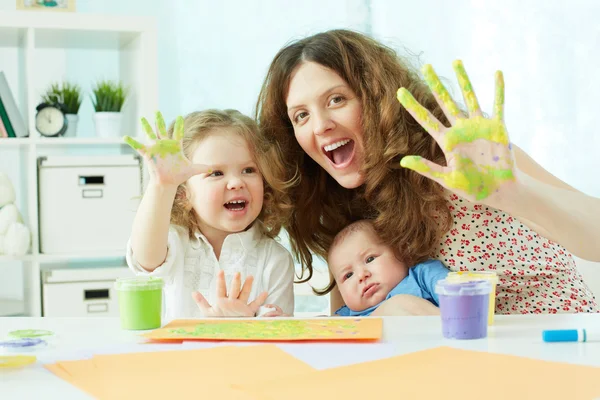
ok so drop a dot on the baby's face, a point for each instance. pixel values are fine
(365, 271)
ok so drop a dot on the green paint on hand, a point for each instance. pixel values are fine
(160, 125)
(436, 86)
(148, 129)
(499, 97)
(178, 130)
(134, 144)
(164, 148)
(480, 181)
(469, 130)
(465, 85)
(421, 114)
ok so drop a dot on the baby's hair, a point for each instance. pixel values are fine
(268, 156)
(358, 226)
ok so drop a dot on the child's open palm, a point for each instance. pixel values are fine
(166, 162)
(232, 304)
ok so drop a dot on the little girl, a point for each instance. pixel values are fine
(213, 205)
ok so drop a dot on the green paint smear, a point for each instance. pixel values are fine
(148, 129)
(273, 329)
(134, 144)
(479, 181)
(164, 148)
(465, 84)
(178, 130)
(436, 86)
(160, 125)
(423, 117)
(469, 130)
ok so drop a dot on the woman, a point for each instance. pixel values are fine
(473, 200)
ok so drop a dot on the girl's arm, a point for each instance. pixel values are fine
(151, 225)
(168, 167)
(556, 210)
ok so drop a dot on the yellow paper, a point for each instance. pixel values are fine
(318, 329)
(206, 373)
(440, 373)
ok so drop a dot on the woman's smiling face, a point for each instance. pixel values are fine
(326, 116)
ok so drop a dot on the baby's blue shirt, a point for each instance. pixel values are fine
(420, 282)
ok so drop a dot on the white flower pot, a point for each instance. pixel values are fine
(72, 120)
(108, 124)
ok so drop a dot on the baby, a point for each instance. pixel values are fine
(373, 278)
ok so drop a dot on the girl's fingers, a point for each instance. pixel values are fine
(202, 303)
(178, 129)
(221, 286)
(148, 129)
(134, 144)
(234, 290)
(441, 94)
(467, 89)
(246, 289)
(160, 126)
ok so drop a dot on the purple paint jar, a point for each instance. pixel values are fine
(464, 308)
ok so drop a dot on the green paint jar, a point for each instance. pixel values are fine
(140, 302)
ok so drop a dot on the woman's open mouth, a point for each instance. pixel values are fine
(340, 153)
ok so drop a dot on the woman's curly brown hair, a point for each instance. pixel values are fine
(268, 156)
(409, 212)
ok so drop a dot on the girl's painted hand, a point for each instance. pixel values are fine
(479, 159)
(232, 304)
(166, 162)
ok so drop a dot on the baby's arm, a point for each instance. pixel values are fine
(406, 304)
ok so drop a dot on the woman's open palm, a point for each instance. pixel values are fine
(479, 159)
(166, 162)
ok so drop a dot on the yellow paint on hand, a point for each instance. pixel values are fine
(427, 121)
(436, 86)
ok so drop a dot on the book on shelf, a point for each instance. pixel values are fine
(3, 132)
(9, 112)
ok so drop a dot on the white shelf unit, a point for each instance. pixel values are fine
(37, 49)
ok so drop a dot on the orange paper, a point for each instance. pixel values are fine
(206, 373)
(440, 373)
(271, 329)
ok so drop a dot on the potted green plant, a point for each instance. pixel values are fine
(108, 98)
(70, 95)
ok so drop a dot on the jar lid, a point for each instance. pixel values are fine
(470, 288)
(139, 283)
(464, 276)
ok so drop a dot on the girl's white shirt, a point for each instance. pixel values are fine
(191, 265)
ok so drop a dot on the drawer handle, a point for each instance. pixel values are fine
(97, 308)
(91, 193)
(95, 294)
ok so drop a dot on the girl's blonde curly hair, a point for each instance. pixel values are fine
(267, 155)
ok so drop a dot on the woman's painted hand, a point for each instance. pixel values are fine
(233, 303)
(166, 162)
(480, 165)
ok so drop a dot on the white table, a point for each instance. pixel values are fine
(77, 338)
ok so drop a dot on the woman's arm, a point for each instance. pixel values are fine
(556, 210)
(405, 304)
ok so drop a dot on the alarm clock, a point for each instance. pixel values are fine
(50, 120)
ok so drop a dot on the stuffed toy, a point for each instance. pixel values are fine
(15, 237)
